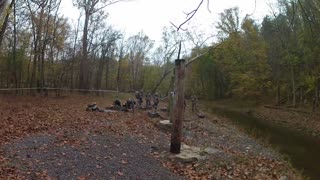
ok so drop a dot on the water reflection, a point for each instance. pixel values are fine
(302, 150)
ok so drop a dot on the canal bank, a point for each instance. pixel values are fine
(300, 149)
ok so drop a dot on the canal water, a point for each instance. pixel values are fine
(303, 151)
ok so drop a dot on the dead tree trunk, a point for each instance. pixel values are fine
(178, 109)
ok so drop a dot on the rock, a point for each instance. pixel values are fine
(210, 151)
(190, 154)
(201, 115)
(187, 157)
(190, 148)
(153, 114)
(283, 178)
(165, 124)
(108, 111)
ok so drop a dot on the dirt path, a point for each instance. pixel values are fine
(84, 155)
(56, 138)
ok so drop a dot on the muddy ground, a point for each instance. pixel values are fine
(55, 138)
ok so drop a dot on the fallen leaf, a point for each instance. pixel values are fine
(123, 162)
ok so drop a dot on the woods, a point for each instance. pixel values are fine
(277, 58)
(240, 100)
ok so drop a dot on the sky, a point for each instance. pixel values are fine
(150, 16)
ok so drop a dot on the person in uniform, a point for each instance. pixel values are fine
(194, 100)
(148, 100)
(117, 104)
(130, 104)
(155, 101)
(139, 98)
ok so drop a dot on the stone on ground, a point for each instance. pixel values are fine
(191, 154)
(165, 124)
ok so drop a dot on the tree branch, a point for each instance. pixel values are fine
(200, 55)
(110, 3)
(189, 16)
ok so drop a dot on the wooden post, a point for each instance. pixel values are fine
(178, 110)
(171, 97)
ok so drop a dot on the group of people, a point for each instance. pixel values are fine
(151, 102)
(148, 98)
(131, 104)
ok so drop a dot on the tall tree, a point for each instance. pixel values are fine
(89, 7)
(4, 21)
(138, 48)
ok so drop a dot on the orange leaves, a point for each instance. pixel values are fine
(65, 117)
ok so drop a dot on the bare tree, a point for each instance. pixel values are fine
(107, 49)
(138, 49)
(190, 15)
(164, 53)
(7, 12)
(44, 17)
(89, 7)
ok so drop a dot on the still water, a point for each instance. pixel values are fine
(303, 151)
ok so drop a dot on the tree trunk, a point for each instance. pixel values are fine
(5, 23)
(107, 72)
(293, 88)
(160, 81)
(74, 54)
(99, 73)
(42, 81)
(278, 93)
(317, 91)
(34, 64)
(178, 109)
(83, 79)
(15, 46)
(118, 73)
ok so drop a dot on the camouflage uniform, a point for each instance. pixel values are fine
(194, 103)
(155, 102)
(139, 96)
(117, 104)
(130, 104)
(148, 100)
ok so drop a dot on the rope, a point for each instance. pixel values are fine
(64, 89)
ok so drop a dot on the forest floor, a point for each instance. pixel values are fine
(55, 138)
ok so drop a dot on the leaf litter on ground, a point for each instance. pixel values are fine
(72, 129)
